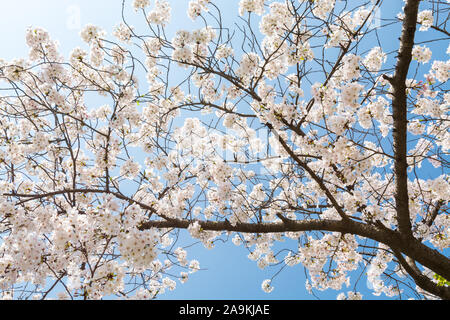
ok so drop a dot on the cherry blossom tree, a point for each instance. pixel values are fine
(294, 132)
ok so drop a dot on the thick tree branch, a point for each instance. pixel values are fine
(421, 280)
(399, 106)
(413, 249)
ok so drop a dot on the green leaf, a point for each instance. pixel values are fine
(441, 281)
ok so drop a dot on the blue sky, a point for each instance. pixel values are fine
(229, 273)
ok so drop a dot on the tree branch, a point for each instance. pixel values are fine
(413, 249)
(421, 280)
(399, 106)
